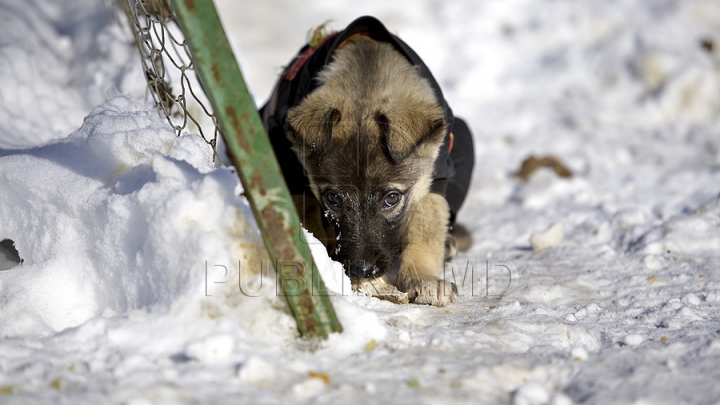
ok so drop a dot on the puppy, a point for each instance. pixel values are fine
(363, 136)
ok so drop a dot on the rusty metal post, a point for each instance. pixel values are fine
(258, 169)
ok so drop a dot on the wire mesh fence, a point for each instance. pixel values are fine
(169, 69)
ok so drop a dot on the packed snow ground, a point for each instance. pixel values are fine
(123, 227)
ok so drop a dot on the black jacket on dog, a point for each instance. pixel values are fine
(453, 167)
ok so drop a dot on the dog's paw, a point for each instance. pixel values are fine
(431, 291)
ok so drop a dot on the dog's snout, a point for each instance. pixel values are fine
(359, 270)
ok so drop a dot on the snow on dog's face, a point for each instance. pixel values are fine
(368, 138)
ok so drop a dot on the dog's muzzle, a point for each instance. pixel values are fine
(362, 270)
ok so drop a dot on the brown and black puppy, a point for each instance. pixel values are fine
(368, 137)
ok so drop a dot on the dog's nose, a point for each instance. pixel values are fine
(360, 270)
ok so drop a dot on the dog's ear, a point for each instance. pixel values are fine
(312, 129)
(404, 132)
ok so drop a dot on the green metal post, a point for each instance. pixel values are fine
(258, 169)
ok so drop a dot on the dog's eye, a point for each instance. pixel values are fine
(332, 199)
(392, 199)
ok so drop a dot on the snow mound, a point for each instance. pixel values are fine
(122, 215)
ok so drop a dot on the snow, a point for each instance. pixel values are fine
(553, 236)
(141, 281)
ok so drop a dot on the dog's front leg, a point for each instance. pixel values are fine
(421, 261)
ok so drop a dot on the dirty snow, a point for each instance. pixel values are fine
(135, 288)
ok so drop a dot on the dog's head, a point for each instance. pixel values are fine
(368, 138)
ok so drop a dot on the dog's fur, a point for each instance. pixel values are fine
(373, 127)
